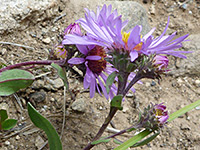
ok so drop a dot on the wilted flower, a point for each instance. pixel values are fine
(160, 62)
(96, 69)
(73, 29)
(60, 52)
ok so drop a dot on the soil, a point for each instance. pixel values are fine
(81, 127)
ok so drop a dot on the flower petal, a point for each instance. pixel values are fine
(76, 61)
(133, 55)
(93, 57)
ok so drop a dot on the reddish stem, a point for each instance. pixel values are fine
(42, 62)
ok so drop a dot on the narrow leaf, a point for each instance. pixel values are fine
(117, 141)
(149, 139)
(3, 115)
(100, 141)
(42, 123)
(117, 101)
(133, 140)
(110, 80)
(8, 124)
(13, 80)
(183, 110)
(61, 73)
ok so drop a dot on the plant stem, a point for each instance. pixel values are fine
(133, 81)
(111, 114)
(122, 131)
(42, 62)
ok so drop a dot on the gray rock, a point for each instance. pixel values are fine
(18, 14)
(39, 142)
(38, 97)
(58, 83)
(79, 105)
(132, 11)
(191, 65)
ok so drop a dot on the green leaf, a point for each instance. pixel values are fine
(3, 115)
(61, 73)
(183, 110)
(117, 141)
(100, 141)
(129, 130)
(110, 80)
(8, 124)
(149, 139)
(117, 101)
(42, 123)
(133, 140)
(13, 80)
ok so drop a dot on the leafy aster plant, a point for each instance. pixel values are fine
(112, 61)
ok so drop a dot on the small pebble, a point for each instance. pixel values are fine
(17, 137)
(190, 12)
(52, 99)
(184, 6)
(46, 40)
(7, 143)
(3, 51)
(45, 106)
(153, 83)
(197, 83)
(100, 108)
(197, 108)
(129, 95)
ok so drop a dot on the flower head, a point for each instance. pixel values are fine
(160, 114)
(97, 69)
(154, 117)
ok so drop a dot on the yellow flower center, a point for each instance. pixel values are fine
(158, 112)
(125, 37)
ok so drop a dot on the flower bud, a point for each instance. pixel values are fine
(160, 62)
(73, 29)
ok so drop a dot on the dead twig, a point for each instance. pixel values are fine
(18, 101)
(15, 44)
(16, 133)
(64, 113)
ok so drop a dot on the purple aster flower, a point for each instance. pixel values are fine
(160, 114)
(97, 69)
(164, 44)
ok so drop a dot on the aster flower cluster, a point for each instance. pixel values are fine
(106, 48)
